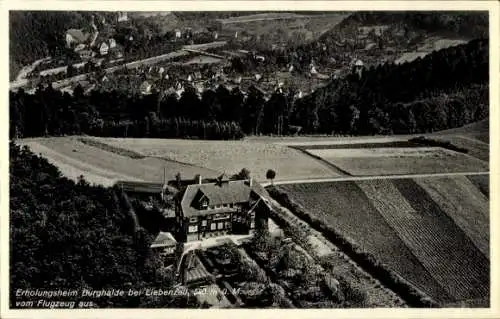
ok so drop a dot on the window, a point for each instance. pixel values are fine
(217, 206)
(193, 219)
(220, 225)
(204, 204)
(212, 226)
(228, 224)
(193, 228)
(204, 223)
(231, 205)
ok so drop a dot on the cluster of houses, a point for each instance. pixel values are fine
(97, 43)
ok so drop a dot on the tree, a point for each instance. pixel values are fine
(243, 174)
(178, 179)
(271, 174)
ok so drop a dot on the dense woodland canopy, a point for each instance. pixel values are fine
(457, 24)
(448, 88)
(78, 237)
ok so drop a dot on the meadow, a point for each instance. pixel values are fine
(431, 44)
(228, 156)
(106, 166)
(399, 160)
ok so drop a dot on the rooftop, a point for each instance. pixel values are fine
(228, 192)
(163, 239)
(78, 35)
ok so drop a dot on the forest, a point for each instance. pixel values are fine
(446, 89)
(79, 237)
(457, 24)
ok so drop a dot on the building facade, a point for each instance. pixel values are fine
(225, 207)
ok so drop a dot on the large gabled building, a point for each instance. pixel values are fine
(205, 210)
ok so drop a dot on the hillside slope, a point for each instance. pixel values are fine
(458, 24)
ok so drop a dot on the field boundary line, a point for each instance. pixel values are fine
(372, 177)
(331, 166)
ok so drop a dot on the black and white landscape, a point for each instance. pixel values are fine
(249, 159)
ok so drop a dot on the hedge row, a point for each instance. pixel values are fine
(413, 296)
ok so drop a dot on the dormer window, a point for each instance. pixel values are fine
(200, 201)
(204, 203)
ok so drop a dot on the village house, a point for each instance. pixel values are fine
(86, 54)
(145, 88)
(104, 48)
(122, 17)
(164, 243)
(80, 47)
(214, 209)
(178, 33)
(75, 37)
(112, 43)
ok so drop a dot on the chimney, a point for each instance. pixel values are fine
(200, 180)
(250, 182)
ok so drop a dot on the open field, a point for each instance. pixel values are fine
(478, 130)
(414, 228)
(260, 17)
(475, 147)
(229, 156)
(282, 26)
(432, 44)
(399, 161)
(99, 166)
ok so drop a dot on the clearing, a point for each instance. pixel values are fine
(429, 45)
(228, 156)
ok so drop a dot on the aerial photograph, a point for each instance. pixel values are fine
(248, 159)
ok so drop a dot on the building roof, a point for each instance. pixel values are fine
(78, 35)
(198, 271)
(164, 239)
(359, 63)
(219, 193)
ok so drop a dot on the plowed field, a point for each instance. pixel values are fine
(432, 231)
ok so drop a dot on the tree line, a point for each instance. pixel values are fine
(445, 89)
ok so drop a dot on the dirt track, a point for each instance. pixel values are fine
(365, 178)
